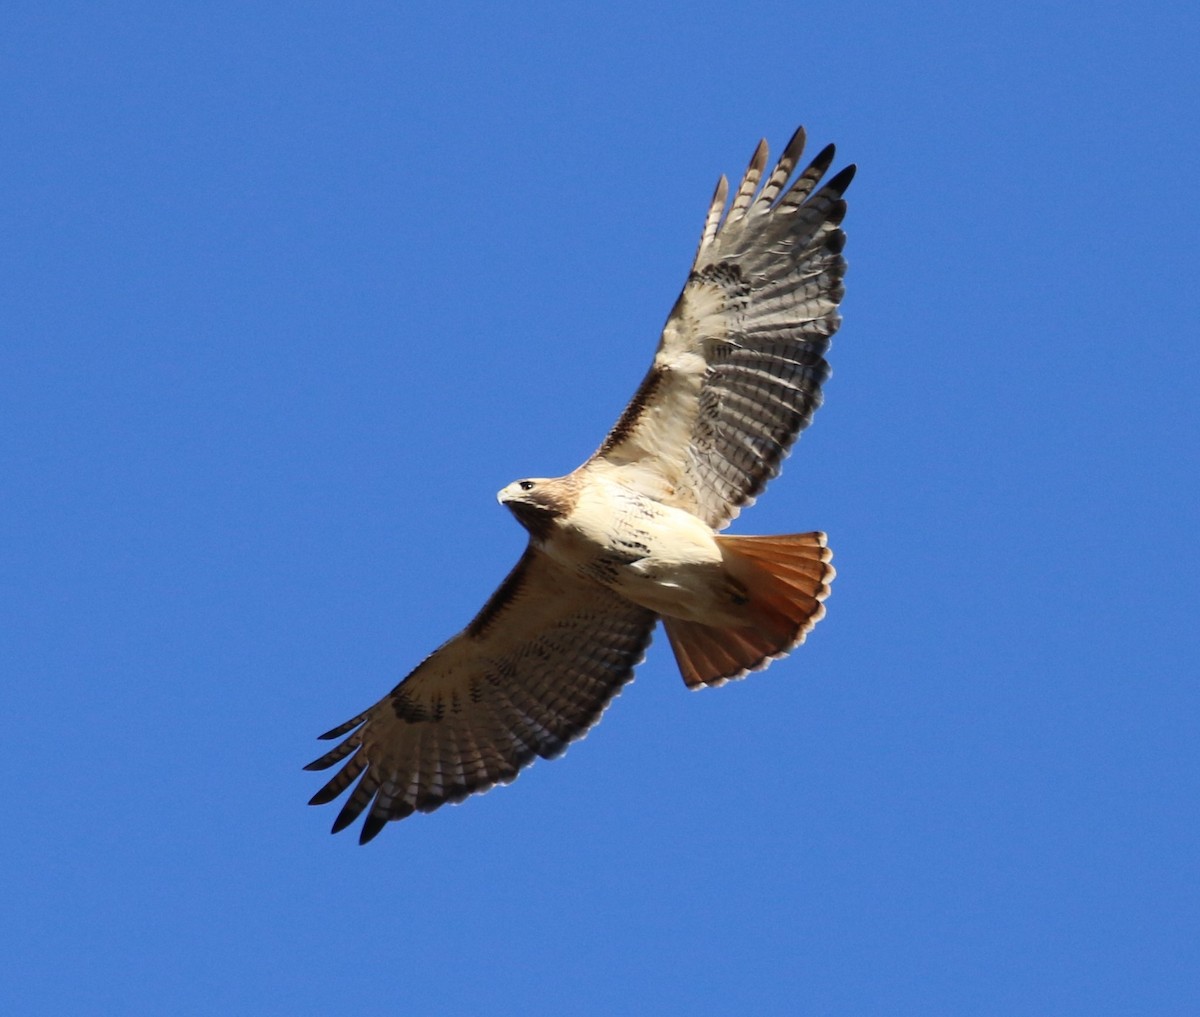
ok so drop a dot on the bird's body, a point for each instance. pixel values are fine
(632, 537)
(660, 557)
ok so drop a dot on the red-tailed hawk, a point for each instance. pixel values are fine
(631, 537)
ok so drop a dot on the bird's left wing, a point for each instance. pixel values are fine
(532, 672)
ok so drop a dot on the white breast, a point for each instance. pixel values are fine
(660, 557)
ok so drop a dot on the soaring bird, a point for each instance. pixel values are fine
(632, 537)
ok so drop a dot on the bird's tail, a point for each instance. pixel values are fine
(786, 578)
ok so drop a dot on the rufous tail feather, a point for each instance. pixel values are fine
(787, 579)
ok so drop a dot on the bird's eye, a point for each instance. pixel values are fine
(526, 485)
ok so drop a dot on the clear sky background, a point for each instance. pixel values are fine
(289, 291)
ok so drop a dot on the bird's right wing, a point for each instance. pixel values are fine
(531, 673)
(739, 368)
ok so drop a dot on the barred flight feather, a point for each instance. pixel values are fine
(766, 283)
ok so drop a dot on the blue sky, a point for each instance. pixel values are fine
(290, 291)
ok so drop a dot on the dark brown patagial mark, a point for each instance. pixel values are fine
(504, 595)
(654, 380)
(724, 275)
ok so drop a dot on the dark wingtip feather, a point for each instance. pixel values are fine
(840, 180)
(347, 816)
(336, 754)
(325, 795)
(342, 729)
(822, 160)
(370, 828)
(340, 781)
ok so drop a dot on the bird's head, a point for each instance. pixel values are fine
(538, 502)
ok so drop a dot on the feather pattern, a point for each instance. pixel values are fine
(740, 365)
(532, 673)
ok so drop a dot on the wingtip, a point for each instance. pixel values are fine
(342, 729)
(344, 819)
(841, 179)
(370, 829)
